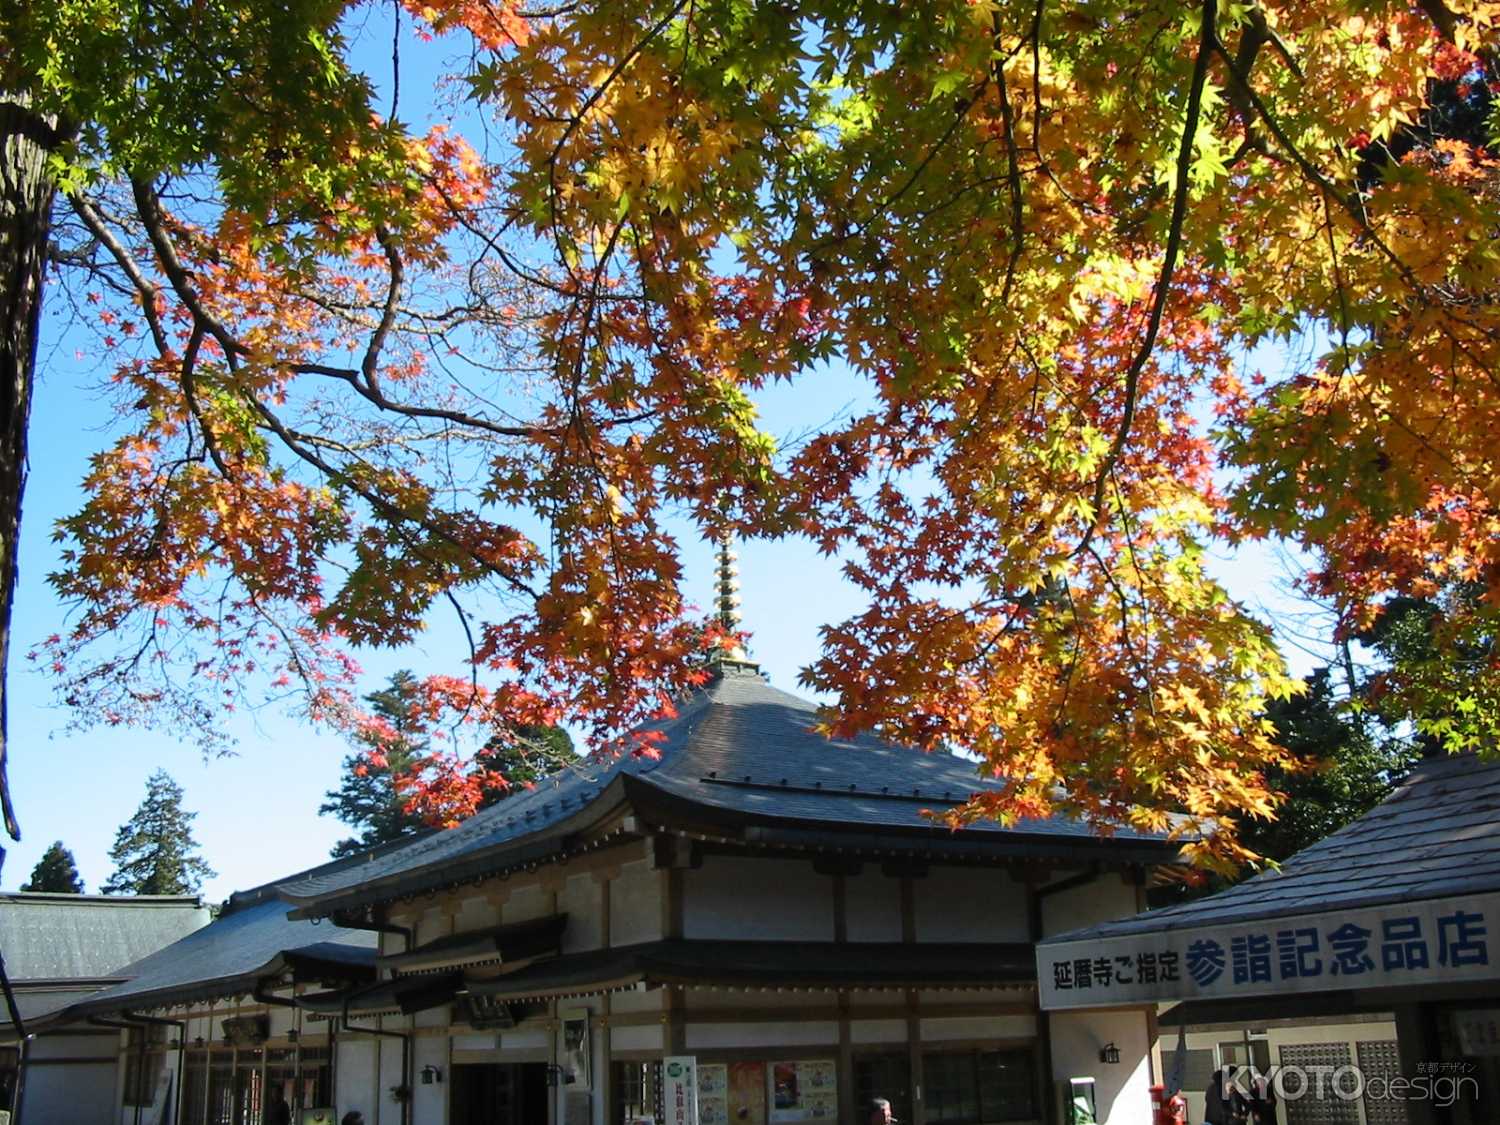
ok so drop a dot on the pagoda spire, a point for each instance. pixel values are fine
(727, 596)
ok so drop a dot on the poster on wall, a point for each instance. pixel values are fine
(575, 1048)
(804, 1091)
(747, 1093)
(680, 1089)
(713, 1094)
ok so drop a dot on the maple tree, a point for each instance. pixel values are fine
(367, 374)
(393, 785)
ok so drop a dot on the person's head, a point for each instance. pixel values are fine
(880, 1112)
(353, 1117)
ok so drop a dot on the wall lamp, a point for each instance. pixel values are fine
(431, 1074)
(1109, 1054)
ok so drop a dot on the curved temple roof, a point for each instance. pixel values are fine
(739, 751)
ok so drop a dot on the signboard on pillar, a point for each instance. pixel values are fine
(680, 1089)
(1436, 941)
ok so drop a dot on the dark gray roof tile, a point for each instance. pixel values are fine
(89, 937)
(738, 745)
(1436, 836)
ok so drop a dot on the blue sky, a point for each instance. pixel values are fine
(258, 810)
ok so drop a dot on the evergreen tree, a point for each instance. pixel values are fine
(56, 872)
(154, 850)
(522, 757)
(366, 798)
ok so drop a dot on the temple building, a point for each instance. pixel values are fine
(753, 925)
(778, 910)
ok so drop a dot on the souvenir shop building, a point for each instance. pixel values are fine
(773, 907)
(1375, 953)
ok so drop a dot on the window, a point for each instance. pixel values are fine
(885, 1076)
(315, 1087)
(145, 1057)
(979, 1087)
(637, 1091)
(194, 1086)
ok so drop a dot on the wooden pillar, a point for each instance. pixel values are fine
(604, 1083)
(848, 1108)
(913, 1020)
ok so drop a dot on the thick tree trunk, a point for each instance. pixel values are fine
(26, 192)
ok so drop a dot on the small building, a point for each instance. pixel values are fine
(208, 1029)
(59, 949)
(1376, 946)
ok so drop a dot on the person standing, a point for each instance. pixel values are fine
(1223, 1103)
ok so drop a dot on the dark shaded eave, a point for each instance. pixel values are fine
(858, 966)
(312, 963)
(673, 812)
(516, 941)
(404, 996)
(936, 841)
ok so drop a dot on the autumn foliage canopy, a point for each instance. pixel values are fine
(1128, 282)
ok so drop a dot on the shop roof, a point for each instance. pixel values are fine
(232, 955)
(771, 964)
(250, 941)
(738, 750)
(1436, 836)
(70, 938)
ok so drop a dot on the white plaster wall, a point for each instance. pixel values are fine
(872, 906)
(525, 1039)
(525, 902)
(72, 1094)
(477, 912)
(877, 1031)
(1123, 1089)
(579, 900)
(969, 904)
(642, 1000)
(1102, 899)
(781, 1035)
(430, 1103)
(433, 1017)
(356, 1076)
(65, 1093)
(738, 898)
(282, 1021)
(636, 1039)
(635, 904)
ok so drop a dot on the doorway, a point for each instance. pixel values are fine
(499, 1094)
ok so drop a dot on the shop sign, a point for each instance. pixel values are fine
(1402, 944)
(680, 1089)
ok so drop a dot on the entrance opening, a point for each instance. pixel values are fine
(499, 1094)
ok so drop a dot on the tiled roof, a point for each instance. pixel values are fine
(739, 746)
(1436, 836)
(251, 938)
(57, 937)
